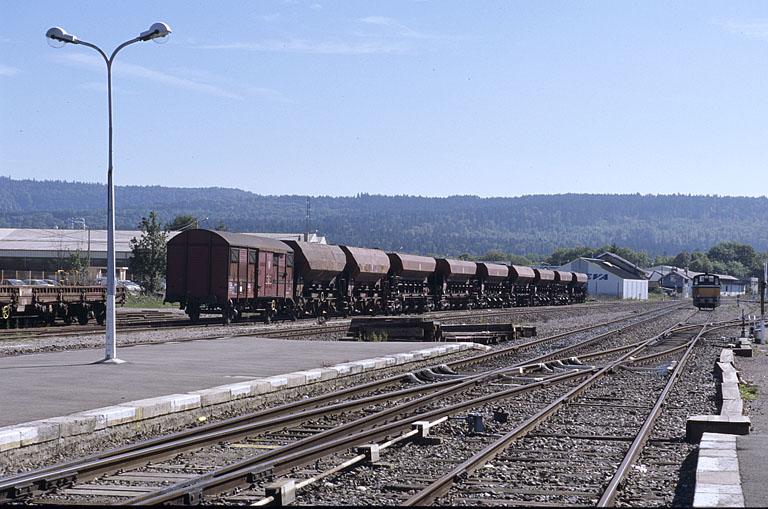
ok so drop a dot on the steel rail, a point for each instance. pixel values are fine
(163, 447)
(313, 447)
(185, 324)
(609, 495)
(444, 483)
(509, 350)
(281, 460)
(155, 448)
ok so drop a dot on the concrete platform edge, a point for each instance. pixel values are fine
(718, 481)
(54, 428)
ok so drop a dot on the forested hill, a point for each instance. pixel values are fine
(458, 224)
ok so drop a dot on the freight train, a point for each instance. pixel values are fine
(46, 304)
(230, 274)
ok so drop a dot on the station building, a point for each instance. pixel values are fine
(39, 253)
(611, 276)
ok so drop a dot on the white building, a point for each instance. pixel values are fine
(608, 279)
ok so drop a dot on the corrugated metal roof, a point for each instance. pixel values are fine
(613, 269)
(51, 242)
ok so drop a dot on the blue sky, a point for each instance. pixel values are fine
(436, 98)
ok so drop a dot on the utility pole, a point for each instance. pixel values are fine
(761, 328)
(306, 223)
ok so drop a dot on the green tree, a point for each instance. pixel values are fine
(563, 255)
(182, 222)
(682, 260)
(147, 262)
(701, 263)
(76, 265)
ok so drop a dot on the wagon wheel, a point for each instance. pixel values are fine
(101, 317)
(68, 319)
(82, 317)
(49, 318)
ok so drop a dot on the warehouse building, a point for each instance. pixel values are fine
(40, 253)
(608, 278)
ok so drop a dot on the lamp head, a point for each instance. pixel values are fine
(156, 31)
(60, 35)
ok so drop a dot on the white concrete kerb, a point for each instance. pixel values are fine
(20, 435)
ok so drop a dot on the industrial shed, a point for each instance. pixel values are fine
(608, 279)
(31, 252)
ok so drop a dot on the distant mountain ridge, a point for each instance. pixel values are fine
(656, 224)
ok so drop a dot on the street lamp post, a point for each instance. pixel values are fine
(157, 30)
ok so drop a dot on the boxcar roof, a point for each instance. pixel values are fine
(238, 240)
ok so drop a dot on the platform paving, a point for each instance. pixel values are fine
(753, 448)
(45, 385)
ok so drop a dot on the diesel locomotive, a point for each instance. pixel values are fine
(706, 291)
(230, 274)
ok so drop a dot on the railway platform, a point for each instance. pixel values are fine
(752, 448)
(52, 395)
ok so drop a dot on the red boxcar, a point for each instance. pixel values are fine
(229, 274)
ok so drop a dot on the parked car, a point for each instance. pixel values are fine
(37, 282)
(130, 286)
(52, 282)
(12, 282)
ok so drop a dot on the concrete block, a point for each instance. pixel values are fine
(403, 358)
(237, 391)
(708, 464)
(112, 415)
(718, 500)
(295, 379)
(730, 377)
(723, 452)
(327, 374)
(283, 491)
(36, 432)
(277, 382)
(699, 424)
(260, 386)
(714, 477)
(10, 438)
(311, 375)
(726, 355)
(214, 396)
(342, 369)
(182, 402)
(371, 452)
(71, 425)
(150, 407)
(718, 437)
(732, 407)
(730, 391)
(718, 488)
(364, 365)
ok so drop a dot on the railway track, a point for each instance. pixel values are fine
(149, 320)
(262, 445)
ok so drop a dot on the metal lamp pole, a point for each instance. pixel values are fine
(58, 34)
